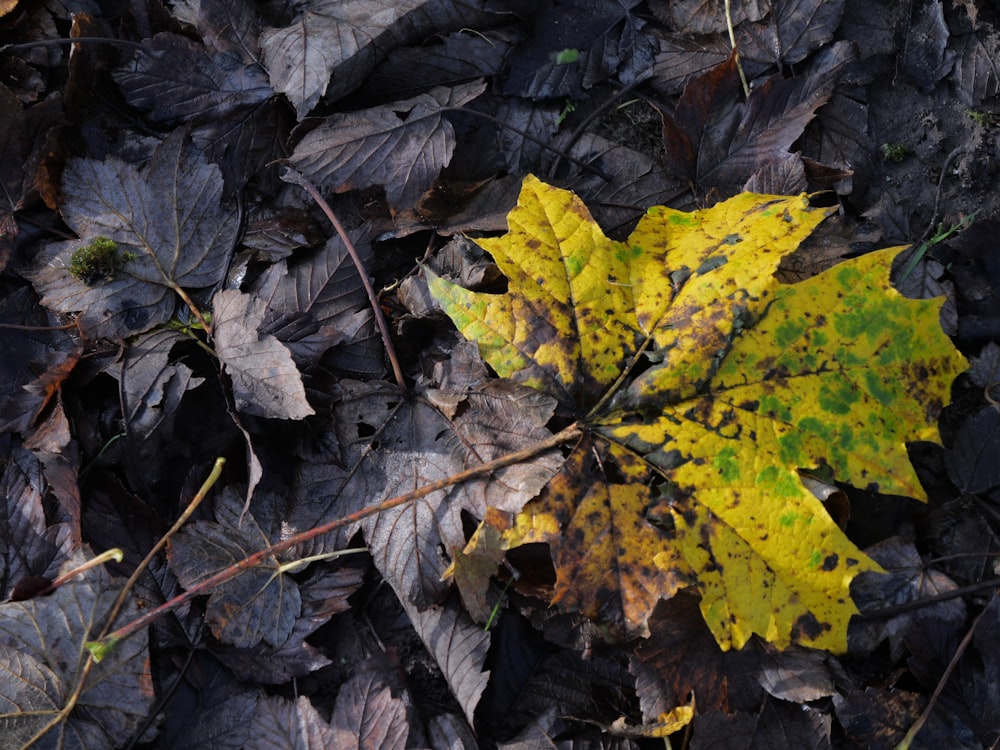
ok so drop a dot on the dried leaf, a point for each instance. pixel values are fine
(168, 216)
(262, 602)
(266, 382)
(458, 645)
(976, 74)
(346, 40)
(792, 30)
(177, 80)
(318, 302)
(401, 146)
(31, 547)
(423, 438)
(42, 655)
(280, 724)
(368, 717)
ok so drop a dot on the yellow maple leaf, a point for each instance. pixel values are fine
(705, 386)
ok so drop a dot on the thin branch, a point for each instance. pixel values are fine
(103, 645)
(297, 178)
(74, 697)
(932, 702)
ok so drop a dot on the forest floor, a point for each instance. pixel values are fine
(172, 292)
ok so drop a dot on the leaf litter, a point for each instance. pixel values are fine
(167, 300)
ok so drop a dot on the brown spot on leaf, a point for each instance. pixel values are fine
(807, 627)
(830, 563)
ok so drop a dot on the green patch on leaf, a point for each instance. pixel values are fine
(744, 382)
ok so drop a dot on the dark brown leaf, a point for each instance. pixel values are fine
(460, 57)
(266, 382)
(345, 41)
(907, 580)
(976, 74)
(177, 80)
(280, 724)
(926, 58)
(792, 30)
(401, 146)
(368, 717)
(681, 656)
(707, 16)
(318, 302)
(395, 444)
(29, 546)
(778, 726)
(458, 645)
(34, 358)
(42, 655)
(730, 150)
(263, 602)
(168, 216)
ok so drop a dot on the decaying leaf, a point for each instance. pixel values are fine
(393, 444)
(689, 476)
(167, 232)
(401, 146)
(262, 603)
(42, 657)
(265, 380)
(346, 40)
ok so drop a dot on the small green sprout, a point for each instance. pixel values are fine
(895, 152)
(98, 260)
(566, 56)
(566, 112)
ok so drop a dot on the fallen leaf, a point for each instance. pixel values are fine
(266, 382)
(168, 229)
(458, 645)
(690, 475)
(401, 146)
(421, 438)
(331, 39)
(263, 602)
(42, 655)
(32, 547)
(791, 31)
(976, 74)
(367, 716)
(318, 302)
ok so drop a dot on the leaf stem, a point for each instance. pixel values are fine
(207, 485)
(736, 55)
(297, 178)
(192, 306)
(107, 641)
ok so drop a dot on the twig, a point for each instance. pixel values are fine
(899, 609)
(296, 178)
(937, 196)
(74, 40)
(103, 645)
(736, 54)
(74, 697)
(922, 719)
